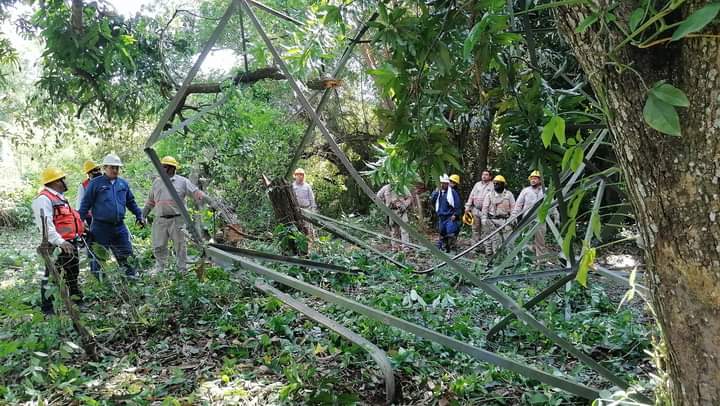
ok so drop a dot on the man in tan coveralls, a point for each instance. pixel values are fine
(496, 210)
(398, 204)
(525, 201)
(169, 224)
(475, 201)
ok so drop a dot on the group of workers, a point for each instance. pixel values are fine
(103, 199)
(490, 206)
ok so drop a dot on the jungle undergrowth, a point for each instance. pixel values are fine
(181, 340)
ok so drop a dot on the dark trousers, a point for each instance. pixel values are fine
(67, 265)
(116, 238)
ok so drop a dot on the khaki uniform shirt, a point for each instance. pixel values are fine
(477, 195)
(527, 199)
(160, 199)
(392, 200)
(304, 195)
(498, 204)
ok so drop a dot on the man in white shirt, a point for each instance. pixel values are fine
(169, 224)
(475, 201)
(64, 230)
(304, 196)
(525, 201)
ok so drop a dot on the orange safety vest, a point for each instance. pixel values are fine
(66, 219)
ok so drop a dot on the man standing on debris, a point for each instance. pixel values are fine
(169, 224)
(398, 203)
(447, 203)
(496, 210)
(527, 198)
(64, 230)
(304, 196)
(475, 201)
(92, 171)
(106, 197)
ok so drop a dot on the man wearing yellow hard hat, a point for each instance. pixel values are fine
(473, 206)
(527, 198)
(496, 210)
(64, 230)
(304, 196)
(169, 225)
(92, 171)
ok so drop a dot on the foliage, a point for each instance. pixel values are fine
(176, 338)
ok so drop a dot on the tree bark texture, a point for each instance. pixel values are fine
(673, 183)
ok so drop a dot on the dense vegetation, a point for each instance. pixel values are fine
(569, 87)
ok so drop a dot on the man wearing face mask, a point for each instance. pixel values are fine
(92, 170)
(107, 196)
(496, 210)
(169, 224)
(448, 208)
(64, 230)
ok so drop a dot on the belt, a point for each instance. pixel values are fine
(172, 216)
(492, 216)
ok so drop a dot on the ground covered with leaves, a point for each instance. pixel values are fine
(177, 339)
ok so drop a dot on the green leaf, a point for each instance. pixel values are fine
(472, 39)
(566, 157)
(595, 223)
(577, 158)
(670, 94)
(588, 258)
(567, 240)
(547, 133)
(697, 21)
(575, 204)
(559, 129)
(586, 23)
(661, 116)
(636, 18)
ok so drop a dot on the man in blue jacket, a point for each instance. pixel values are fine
(448, 207)
(106, 197)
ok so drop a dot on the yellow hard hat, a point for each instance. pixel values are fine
(499, 178)
(468, 218)
(534, 174)
(89, 166)
(51, 174)
(299, 171)
(168, 160)
(455, 178)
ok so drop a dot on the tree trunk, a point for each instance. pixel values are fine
(287, 211)
(673, 184)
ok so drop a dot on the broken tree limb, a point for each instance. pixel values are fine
(45, 250)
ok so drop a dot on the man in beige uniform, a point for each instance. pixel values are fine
(496, 210)
(475, 201)
(169, 224)
(304, 196)
(525, 201)
(399, 205)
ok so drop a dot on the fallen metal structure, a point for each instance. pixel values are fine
(247, 260)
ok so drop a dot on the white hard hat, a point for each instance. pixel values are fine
(444, 179)
(112, 160)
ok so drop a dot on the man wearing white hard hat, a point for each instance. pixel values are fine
(107, 196)
(448, 208)
(169, 225)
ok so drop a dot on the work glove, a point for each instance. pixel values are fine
(141, 222)
(67, 248)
